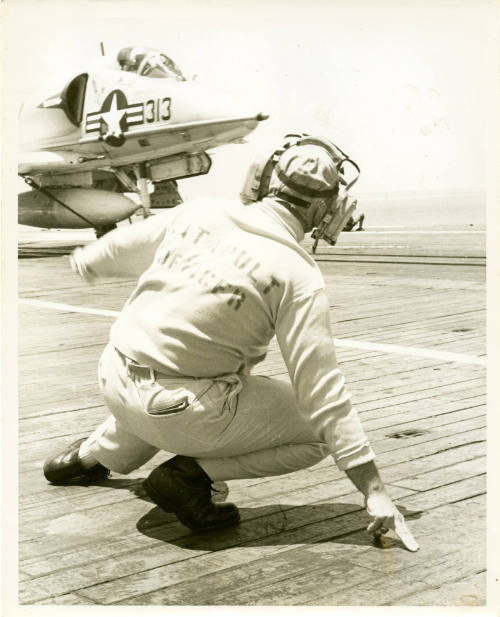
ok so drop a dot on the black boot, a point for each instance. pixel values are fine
(66, 467)
(181, 486)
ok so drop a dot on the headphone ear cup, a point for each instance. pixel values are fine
(335, 219)
(257, 179)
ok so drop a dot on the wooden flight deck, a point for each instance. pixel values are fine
(408, 313)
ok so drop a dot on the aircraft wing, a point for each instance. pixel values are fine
(57, 161)
(155, 142)
(47, 161)
(197, 132)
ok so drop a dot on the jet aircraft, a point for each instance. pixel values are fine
(133, 125)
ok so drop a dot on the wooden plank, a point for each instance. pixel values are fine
(472, 443)
(397, 376)
(469, 387)
(84, 398)
(449, 493)
(377, 325)
(138, 571)
(412, 384)
(395, 316)
(302, 537)
(431, 472)
(67, 599)
(81, 420)
(288, 515)
(470, 591)
(433, 406)
(249, 584)
(297, 577)
(51, 371)
(441, 476)
(409, 324)
(379, 429)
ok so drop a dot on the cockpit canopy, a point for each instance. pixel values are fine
(148, 62)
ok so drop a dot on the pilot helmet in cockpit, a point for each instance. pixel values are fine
(148, 63)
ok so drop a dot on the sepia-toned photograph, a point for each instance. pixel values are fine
(247, 362)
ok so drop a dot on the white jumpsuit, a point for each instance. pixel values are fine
(217, 281)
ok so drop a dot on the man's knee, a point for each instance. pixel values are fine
(293, 457)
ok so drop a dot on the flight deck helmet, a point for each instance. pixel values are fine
(305, 174)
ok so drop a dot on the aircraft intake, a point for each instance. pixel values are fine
(85, 206)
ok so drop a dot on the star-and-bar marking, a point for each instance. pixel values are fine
(114, 118)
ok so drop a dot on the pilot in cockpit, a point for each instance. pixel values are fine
(129, 58)
(148, 62)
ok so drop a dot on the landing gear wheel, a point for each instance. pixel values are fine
(100, 231)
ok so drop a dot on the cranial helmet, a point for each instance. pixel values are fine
(305, 174)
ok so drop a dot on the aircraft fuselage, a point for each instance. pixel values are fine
(120, 130)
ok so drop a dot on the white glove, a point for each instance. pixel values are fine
(386, 516)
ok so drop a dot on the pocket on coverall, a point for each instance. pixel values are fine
(163, 397)
(186, 415)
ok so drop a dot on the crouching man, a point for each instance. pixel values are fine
(217, 280)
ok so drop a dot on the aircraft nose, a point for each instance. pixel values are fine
(210, 105)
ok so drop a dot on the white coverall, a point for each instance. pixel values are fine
(217, 281)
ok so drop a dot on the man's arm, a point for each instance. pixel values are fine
(305, 338)
(126, 251)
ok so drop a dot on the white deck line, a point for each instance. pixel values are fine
(71, 308)
(387, 230)
(445, 356)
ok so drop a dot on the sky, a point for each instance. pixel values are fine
(403, 87)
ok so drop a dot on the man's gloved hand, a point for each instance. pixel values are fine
(386, 516)
(78, 266)
(379, 505)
